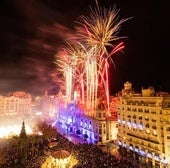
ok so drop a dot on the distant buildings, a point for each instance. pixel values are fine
(17, 103)
(14, 108)
(49, 106)
(144, 124)
(140, 122)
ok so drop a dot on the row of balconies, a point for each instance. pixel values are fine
(141, 103)
(154, 127)
(147, 146)
(145, 124)
(128, 109)
(148, 139)
(140, 118)
(146, 132)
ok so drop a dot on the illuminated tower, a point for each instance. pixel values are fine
(101, 118)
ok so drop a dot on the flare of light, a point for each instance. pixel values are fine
(9, 131)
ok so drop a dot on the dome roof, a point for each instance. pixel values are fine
(60, 154)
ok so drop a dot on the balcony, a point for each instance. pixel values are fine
(144, 138)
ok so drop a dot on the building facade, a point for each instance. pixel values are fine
(17, 103)
(98, 128)
(144, 124)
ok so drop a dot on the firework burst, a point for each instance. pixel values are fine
(85, 61)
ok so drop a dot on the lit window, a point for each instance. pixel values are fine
(147, 131)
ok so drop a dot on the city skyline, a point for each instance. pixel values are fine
(31, 33)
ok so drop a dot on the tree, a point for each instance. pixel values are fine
(23, 131)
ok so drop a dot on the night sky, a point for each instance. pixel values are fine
(31, 32)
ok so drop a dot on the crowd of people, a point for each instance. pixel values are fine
(23, 154)
(92, 156)
(88, 155)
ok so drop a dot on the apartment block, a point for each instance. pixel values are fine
(144, 124)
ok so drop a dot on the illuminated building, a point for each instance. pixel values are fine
(18, 103)
(46, 107)
(49, 106)
(98, 128)
(144, 124)
(14, 108)
(84, 65)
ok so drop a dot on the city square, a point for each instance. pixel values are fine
(59, 105)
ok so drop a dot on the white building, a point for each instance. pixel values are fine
(144, 124)
(19, 103)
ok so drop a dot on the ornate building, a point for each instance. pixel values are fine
(98, 128)
(144, 124)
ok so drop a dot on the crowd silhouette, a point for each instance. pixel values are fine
(32, 154)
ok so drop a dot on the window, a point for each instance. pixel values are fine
(147, 125)
(154, 127)
(148, 131)
(153, 120)
(140, 117)
(134, 116)
(147, 118)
